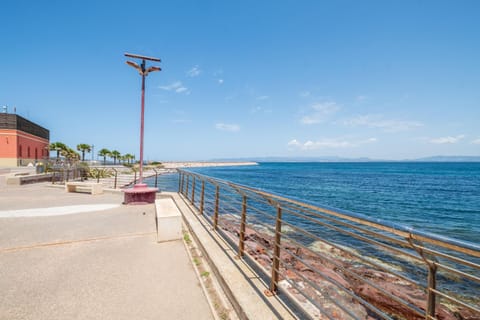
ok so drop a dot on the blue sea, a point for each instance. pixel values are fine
(442, 198)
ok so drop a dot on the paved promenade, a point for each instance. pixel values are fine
(99, 261)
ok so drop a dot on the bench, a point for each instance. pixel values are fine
(90, 187)
(168, 220)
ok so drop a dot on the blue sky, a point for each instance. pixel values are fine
(378, 79)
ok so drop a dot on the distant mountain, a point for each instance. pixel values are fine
(299, 159)
(449, 159)
(362, 159)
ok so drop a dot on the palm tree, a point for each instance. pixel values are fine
(70, 154)
(84, 147)
(115, 155)
(104, 153)
(129, 157)
(58, 146)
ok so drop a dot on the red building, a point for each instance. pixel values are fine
(22, 141)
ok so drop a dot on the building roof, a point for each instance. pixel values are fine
(16, 122)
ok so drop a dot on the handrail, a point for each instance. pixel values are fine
(325, 254)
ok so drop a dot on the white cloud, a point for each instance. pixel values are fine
(476, 141)
(176, 86)
(220, 81)
(378, 121)
(227, 127)
(320, 112)
(194, 72)
(262, 97)
(304, 94)
(259, 109)
(449, 139)
(361, 98)
(328, 143)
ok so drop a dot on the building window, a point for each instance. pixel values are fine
(20, 151)
(36, 154)
(28, 152)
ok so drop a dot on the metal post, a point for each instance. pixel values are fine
(276, 251)
(179, 182)
(193, 191)
(142, 121)
(135, 177)
(115, 183)
(186, 191)
(202, 197)
(156, 177)
(432, 283)
(241, 240)
(215, 213)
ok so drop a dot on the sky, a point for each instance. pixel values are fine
(380, 79)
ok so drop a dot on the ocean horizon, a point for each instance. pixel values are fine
(437, 197)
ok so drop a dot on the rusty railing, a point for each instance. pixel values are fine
(336, 264)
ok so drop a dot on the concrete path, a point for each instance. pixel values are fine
(102, 264)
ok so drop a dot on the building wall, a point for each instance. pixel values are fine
(20, 148)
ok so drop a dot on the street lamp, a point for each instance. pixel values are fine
(141, 192)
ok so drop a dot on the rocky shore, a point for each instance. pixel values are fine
(259, 245)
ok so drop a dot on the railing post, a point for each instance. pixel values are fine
(193, 191)
(215, 213)
(115, 183)
(241, 240)
(202, 197)
(156, 177)
(432, 284)
(186, 191)
(276, 252)
(135, 177)
(179, 182)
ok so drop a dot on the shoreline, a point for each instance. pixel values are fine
(202, 164)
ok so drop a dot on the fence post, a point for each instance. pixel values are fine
(215, 213)
(180, 182)
(115, 183)
(276, 252)
(193, 191)
(241, 240)
(202, 197)
(156, 177)
(186, 190)
(432, 284)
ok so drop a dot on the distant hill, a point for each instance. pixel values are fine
(362, 159)
(449, 159)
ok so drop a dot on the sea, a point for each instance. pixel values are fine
(438, 197)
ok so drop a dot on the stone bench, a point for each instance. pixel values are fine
(90, 187)
(168, 220)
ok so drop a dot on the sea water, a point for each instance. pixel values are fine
(442, 198)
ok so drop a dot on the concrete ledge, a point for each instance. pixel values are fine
(91, 187)
(18, 180)
(241, 284)
(168, 220)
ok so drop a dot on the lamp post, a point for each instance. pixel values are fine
(140, 192)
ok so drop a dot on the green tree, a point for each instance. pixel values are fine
(70, 154)
(129, 157)
(83, 147)
(115, 155)
(58, 147)
(104, 153)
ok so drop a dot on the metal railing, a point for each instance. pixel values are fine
(337, 264)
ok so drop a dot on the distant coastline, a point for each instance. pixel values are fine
(201, 164)
(341, 159)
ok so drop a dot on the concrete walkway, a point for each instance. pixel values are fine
(102, 264)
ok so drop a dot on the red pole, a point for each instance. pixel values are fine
(142, 121)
